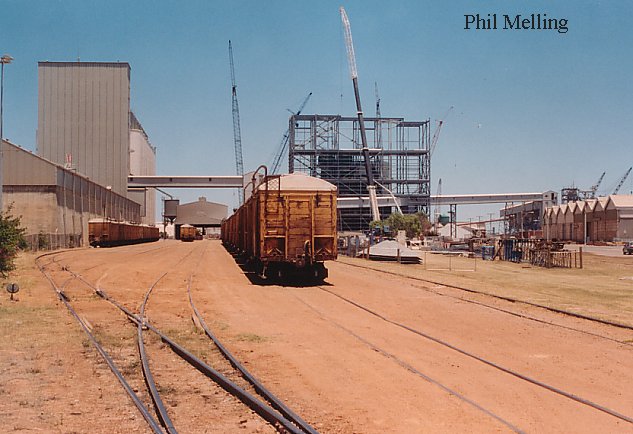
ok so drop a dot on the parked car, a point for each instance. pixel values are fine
(627, 249)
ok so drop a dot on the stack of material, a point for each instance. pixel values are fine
(390, 250)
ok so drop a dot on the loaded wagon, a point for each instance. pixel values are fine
(188, 233)
(287, 227)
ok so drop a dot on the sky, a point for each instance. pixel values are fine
(534, 110)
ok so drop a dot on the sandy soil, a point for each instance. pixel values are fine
(342, 368)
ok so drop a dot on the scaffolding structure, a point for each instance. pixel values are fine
(329, 147)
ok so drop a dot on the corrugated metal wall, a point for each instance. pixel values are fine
(84, 111)
(57, 202)
(19, 167)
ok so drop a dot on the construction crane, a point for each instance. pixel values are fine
(436, 134)
(237, 134)
(283, 145)
(378, 116)
(594, 188)
(351, 58)
(626, 175)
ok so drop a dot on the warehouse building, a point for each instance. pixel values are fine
(604, 219)
(55, 203)
(202, 214)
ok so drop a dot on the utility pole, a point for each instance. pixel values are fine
(4, 59)
(237, 134)
(378, 116)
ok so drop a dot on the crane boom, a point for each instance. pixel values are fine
(237, 134)
(626, 175)
(284, 140)
(594, 188)
(351, 58)
(436, 134)
(378, 116)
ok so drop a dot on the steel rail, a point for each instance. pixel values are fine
(501, 297)
(485, 361)
(415, 371)
(161, 410)
(275, 402)
(265, 411)
(153, 424)
(506, 311)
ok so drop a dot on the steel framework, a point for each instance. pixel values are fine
(330, 147)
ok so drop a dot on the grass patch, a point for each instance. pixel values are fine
(250, 337)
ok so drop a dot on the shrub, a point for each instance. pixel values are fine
(11, 240)
(413, 224)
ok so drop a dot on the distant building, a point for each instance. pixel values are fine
(603, 219)
(201, 214)
(527, 219)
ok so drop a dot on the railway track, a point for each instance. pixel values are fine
(462, 353)
(511, 300)
(267, 406)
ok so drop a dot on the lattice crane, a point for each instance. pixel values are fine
(594, 188)
(283, 145)
(626, 175)
(237, 134)
(436, 134)
(378, 116)
(351, 58)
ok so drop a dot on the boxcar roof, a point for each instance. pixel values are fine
(299, 182)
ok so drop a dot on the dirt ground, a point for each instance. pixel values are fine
(368, 352)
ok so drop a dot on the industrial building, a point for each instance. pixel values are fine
(329, 147)
(526, 220)
(88, 143)
(604, 219)
(201, 214)
(55, 203)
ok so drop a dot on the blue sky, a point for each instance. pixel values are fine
(533, 110)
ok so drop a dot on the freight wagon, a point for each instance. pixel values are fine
(287, 227)
(187, 233)
(104, 233)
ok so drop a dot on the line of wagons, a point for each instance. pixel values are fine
(106, 233)
(286, 228)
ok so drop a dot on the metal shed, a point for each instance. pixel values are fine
(56, 203)
(201, 214)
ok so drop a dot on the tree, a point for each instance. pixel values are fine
(412, 224)
(11, 240)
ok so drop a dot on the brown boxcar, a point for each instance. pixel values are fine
(286, 227)
(187, 233)
(105, 233)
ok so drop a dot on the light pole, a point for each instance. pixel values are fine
(4, 59)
